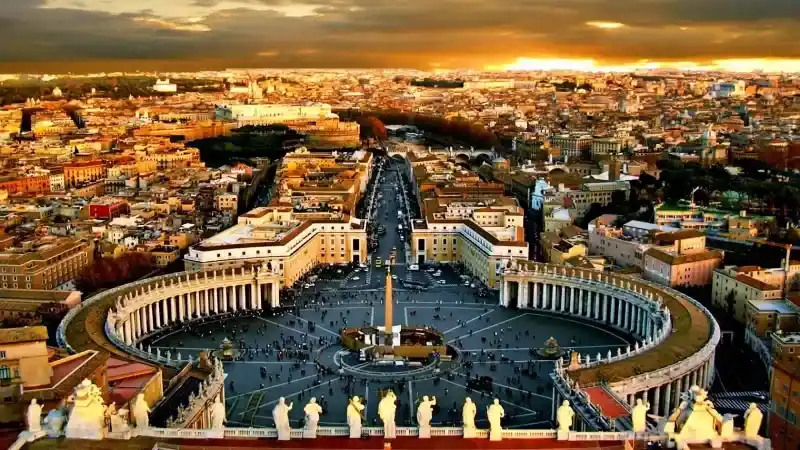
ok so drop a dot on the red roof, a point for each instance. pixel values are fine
(609, 405)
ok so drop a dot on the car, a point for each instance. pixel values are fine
(394, 276)
(413, 267)
(356, 278)
(378, 263)
(472, 285)
(438, 273)
(430, 270)
(442, 282)
(466, 283)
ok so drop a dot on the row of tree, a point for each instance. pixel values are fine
(758, 188)
(15, 91)
(105, 273)
(451, 131)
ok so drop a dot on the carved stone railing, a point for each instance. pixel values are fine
(91, 302)
(344, 432)
(208, 390)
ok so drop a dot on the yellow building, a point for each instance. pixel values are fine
(481, 234)
(310, 220)
(734, 287)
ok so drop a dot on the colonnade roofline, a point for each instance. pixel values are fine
(693, 332)
(117, 302)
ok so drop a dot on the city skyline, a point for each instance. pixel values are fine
(186, 35)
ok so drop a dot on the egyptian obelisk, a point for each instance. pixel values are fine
(388, 308)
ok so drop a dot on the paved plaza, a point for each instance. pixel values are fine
(492, 342)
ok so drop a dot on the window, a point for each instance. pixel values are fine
(5, 372)
(2, 354)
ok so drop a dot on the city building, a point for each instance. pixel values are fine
(310, 221)
(45, 264)
(734, 287)
(165, 86)
(680, 258)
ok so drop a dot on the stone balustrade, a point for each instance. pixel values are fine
(197, 412)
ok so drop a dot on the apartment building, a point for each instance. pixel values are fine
(81, 172)
(784, 391)
(467, 221)
(310, 220)
(44, 264)
(583, 197)
(681, 259)
(572, 145)
(734, 287)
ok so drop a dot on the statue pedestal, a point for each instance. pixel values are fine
(216, 434)
(284, 435)
(310, 433)
(470, 433)
(425, 432)
(562, 435)
(355, 432)
(495, 435)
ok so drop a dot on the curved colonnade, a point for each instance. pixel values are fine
(676, 337)
(146, 307)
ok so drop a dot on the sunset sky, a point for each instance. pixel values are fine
(109, 35)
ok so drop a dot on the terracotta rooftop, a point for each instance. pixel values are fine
(23, 334)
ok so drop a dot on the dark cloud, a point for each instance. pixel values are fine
(395, 33)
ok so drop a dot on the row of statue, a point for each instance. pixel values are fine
(387, 409)
(694, 419)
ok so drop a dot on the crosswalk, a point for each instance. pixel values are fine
(727, 404)
(741, 394)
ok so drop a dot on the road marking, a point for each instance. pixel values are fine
(469, 321)
(405, 312)
(315, 326)
(231, 397)
(501, 400)
(372, 316)
(509, 387)
(487, 328)
(311, 336)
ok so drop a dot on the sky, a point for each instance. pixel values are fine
(176, 35)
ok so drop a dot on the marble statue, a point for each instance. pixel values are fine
(387, 409)
(280, 414)
(312, 411)
(119, 421)
(141, 412)
(86, 419)
(695, 420)
(424, 416)
(639, 416)
(218, 415)
(752, 421)
(34, 417)
(495, 414)
(564, 416)
(354, 417)
(54, 422)
(468, 417)
(111, 410)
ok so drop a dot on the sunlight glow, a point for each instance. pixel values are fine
(605, 25)
(591, 65)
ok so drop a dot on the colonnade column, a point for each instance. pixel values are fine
(535, 286)
(276, 301)
(667, 399)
